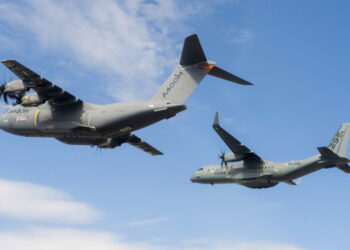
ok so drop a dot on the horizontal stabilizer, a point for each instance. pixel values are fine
(326, 152)
(220, 73)
(144, 146)
(344, 167)
(339, 162)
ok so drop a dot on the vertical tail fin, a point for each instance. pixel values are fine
(339, 144)
(193, 67)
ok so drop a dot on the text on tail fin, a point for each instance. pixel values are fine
(339, 144)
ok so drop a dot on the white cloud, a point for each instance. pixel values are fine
(131, 41)
(238, 35)
(77, 239)
(26, 201)
(228, 245)
(22, 200)
(64, 238)
(147, 222)
(228, 120)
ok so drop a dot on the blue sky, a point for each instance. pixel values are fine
(75, 197)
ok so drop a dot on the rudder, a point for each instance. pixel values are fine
(193, 67)
(188, 74)
(339, 144)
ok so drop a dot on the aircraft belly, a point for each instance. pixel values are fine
(258, 184)
(255, 180)
(81, 141)
(119, 125)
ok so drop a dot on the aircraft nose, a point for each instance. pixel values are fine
(2, 123)
(194, 177)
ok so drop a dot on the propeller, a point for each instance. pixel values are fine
(16, 97)
(6, 96)
(222, 157)
(2, 93)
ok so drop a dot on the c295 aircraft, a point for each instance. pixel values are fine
(254, 172)
(53, 112)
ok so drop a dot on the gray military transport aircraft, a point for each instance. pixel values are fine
(53, 112)
(254, 172)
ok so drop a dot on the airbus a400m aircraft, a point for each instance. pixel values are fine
(254, 172)
(53, 112)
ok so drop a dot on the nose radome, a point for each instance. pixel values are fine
(194, 177)
(2, 123)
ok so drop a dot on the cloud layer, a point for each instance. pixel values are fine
(73, 239)
(130, 41)
(26, 201)
(31, 202)
(147, 222)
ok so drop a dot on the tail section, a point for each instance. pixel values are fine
(192, 51)
(193, 67)
(336, 151)
(339, 144)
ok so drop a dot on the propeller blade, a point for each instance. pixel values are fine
(222, 157)
(18, 99)
(5, 98)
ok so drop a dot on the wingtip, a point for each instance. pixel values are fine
(190, 36)
(216, 119)
(7, 60)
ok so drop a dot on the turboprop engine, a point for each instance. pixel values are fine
(14, 87)
(231, 157)
(32, 99)
(14, 90)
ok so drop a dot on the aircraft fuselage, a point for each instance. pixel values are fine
(259, 174)
(83, 123)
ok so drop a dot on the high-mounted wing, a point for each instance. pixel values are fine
(144, 146)
(236, 146)
(45, 89)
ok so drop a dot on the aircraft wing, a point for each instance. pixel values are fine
(45, 89)
(144, 146)
(236, 146)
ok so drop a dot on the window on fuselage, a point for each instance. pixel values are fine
(200, 169)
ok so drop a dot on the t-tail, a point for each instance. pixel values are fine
(193, 67)
(336, 151)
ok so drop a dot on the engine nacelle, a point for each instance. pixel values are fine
(31, 100)
(231, 157)
(15, 87)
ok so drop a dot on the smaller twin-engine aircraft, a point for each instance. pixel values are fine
(53, 112)
(254, 172)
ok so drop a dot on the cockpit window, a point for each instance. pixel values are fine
(200, 169)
